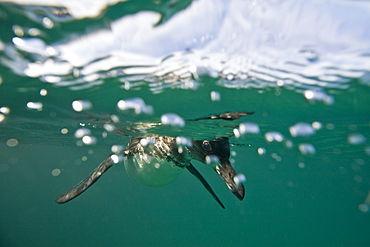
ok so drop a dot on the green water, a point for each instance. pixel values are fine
(291, 199)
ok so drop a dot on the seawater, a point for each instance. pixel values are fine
(301, 67)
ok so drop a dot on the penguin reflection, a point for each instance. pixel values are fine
(157, 161)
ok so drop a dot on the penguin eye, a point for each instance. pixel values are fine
(207, 146)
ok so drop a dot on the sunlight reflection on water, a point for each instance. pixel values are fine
(167, 55)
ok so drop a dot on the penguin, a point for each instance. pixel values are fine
(158, 160)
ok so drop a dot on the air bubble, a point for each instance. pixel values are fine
(306, 148)
(317, 125)
(301, 165)
(330, 126)
(321, 96)
(183, 141)
(18, 30)
(276, 157)
(215, 96)
(212, 160)
(109, 127)
(5, 110)
(43, 92)
(356, 139)
(56, 172)
(172, 119)
(364, 208)
(236, 133)
(34, 32)
(367, 150)
(117, 148)
(261, 151)
(280, 83)
(192, 69)
(81, 105)
(136, 104)
(302, 129)
(147, 141)
(274, 136)
(82, 132)
(50, 51)
(64, 131)
(248, 127)
(12, 142)
(114, 118)
(117, 158)
(35, 105)
(239, 179)
(89, 140)
(288, 143)
(47, 23)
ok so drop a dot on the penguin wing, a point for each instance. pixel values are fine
(199, 176)
(225, 116)
(85, 183)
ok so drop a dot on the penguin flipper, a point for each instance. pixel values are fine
(85, 183)
(230, 116)
(199, 176)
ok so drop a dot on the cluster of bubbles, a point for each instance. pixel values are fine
(3, 112)
(138, 106)
(274, 136)
(183, 142)
(117, 155)
(38, 106)
(300, 129)
(85, 137)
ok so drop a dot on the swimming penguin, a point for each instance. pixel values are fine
(158, 160)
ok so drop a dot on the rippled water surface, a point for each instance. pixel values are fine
(72, 74)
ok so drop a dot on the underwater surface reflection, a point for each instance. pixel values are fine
(80, 81)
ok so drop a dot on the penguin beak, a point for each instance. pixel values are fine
(227, 173)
